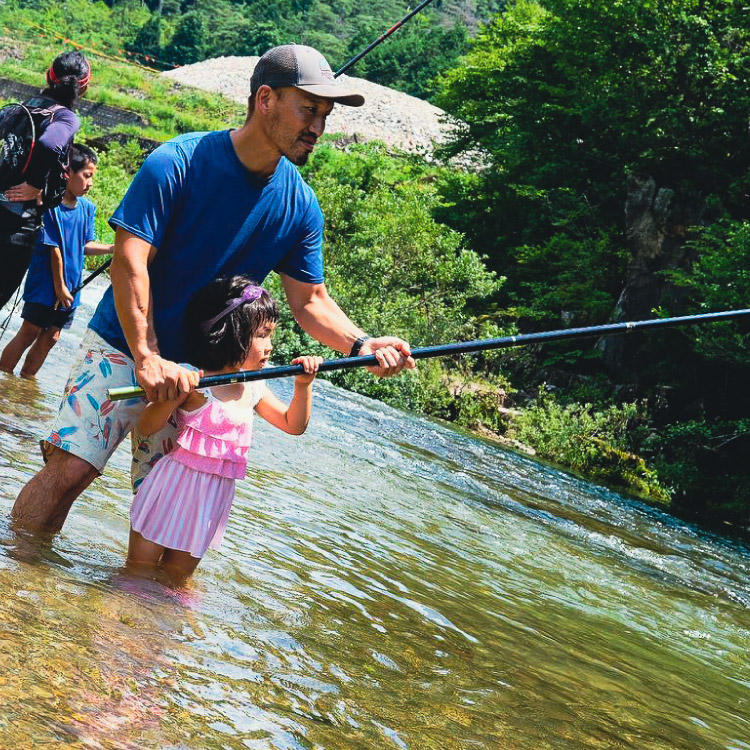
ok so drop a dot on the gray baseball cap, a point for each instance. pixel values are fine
(304, 68)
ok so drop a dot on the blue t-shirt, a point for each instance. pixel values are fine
(208, 216)
(69, 229)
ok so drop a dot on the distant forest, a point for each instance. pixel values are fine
(180, 32)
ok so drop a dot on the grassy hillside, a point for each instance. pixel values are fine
(166, 33)
(169, 108)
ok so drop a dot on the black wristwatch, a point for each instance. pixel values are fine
(357, 345)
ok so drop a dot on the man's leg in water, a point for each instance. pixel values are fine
(44, 503)
(87, 430)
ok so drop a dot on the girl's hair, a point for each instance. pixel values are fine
(80, 156)
(68, 75)
(227, 341)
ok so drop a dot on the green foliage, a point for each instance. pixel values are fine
(596, 443)
(189, 41)
(566, 97)
(169, 109)
(413, 57)
(231, 34)
(168, 32)
(148, 40)
(413, 274)
(579, 89)
(720, 279)
(705, 462)
(570, 278)
(115, 170)
(391, 266)
(705, 458)
(91, 24)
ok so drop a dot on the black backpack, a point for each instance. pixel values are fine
(21, 125)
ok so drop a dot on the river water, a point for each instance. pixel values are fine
(385, 582)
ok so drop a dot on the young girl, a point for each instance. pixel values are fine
(182, 506)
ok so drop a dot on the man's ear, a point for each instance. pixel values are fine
(263, 99)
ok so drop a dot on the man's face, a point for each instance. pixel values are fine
(296, 120)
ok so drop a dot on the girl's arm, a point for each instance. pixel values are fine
(292, 419)
(157, 413)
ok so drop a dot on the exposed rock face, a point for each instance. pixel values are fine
(657, 221)
(387, 115)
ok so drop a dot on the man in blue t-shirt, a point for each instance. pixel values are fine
(56, 268)
(203, 205)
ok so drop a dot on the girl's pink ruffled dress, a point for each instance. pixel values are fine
(184, 502)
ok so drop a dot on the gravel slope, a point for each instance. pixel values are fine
(387, 115)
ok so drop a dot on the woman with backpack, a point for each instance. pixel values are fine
(44, 174)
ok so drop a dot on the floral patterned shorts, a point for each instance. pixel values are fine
(90, 426)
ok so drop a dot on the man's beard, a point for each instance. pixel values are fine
(298, 159)
(294, 150)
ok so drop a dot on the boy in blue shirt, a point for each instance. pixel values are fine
(56, 269)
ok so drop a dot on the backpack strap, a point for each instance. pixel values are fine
(43, 105)
(34, 106)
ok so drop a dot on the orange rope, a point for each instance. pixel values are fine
(95, 51)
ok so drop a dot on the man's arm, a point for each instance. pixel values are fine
(160, 378)
(324, 320)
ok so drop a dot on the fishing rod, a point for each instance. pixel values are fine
(382, 37)
(440, 350)
(102, 268)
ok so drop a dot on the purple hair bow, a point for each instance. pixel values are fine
(249, 294)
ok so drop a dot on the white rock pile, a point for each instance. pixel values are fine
(391, 116)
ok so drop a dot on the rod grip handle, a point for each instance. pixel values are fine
(125, 392)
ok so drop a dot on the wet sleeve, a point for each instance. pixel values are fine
(52, 146)
(153, 195)
(304, 262)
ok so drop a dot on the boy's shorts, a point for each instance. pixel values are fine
(90, 426)
(47, 317)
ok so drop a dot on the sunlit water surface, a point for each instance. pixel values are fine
(385, 583)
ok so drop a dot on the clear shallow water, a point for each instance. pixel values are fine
(385, 583)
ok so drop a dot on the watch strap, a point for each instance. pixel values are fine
(357, 345)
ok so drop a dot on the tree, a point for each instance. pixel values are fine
(148, 39)
(596, 118)
(413, 57)
(566, 98)
(187, 44)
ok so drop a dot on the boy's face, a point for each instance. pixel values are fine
(79, 183)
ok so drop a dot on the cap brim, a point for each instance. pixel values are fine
(336, 92)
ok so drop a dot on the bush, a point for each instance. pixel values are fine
(706, 464)
(596, 443)
(391, 267)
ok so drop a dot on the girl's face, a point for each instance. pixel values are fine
(260, 348)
